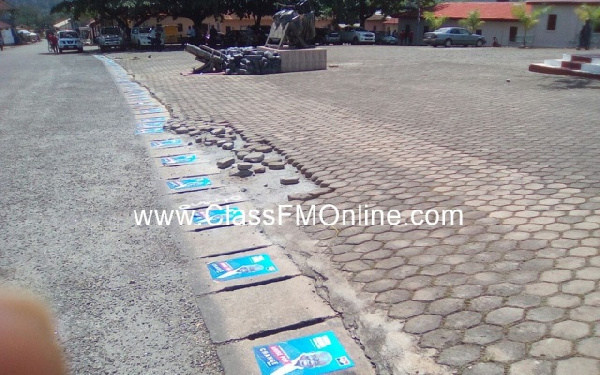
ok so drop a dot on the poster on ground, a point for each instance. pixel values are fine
(179, 159)
(310, 355)
(189, 183)
(167, 143)
(238, 268)
(149, 131)
(222, 216)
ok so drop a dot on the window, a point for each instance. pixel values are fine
(478, 32)
(179, 27)
(551, 25)
(512, 34)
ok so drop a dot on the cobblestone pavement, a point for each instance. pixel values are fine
(512, 291)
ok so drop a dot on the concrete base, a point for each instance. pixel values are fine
(299, 60)
(586, 66)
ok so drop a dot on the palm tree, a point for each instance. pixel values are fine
(472, 22)
(587, 12)
(433, 21)
(529, 20)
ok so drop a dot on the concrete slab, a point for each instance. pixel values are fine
(240, 313)
(168, 173)
(206, 197)
(224, 240)
(238, 358)
(202, 283)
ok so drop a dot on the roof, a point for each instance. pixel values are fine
(391, 21)
(488, 11)
(4, 6)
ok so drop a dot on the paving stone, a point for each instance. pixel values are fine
(380, 286)
(527, 332)
(283, 309)
(393, 296)
(541, 289)
(564, 301)
(545, 314)
(406, 309)
(551, 348)
(445, 306)
(459, 355)
(440, 339)
(484, 369)
(524, 301)
(592, 299)
(504, 316)
(467, 291)
(462, 320)
(422, 323)
(572, 366)
(289, 180)
(589, 347)
(505, 351)
(429, 294)
(531, 367)
(485, 303)
(254, 157)
(578, 286)
(483, 335)
(276, 165)
(570, 330)
(585, 313)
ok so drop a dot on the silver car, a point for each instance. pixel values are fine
(449, 36)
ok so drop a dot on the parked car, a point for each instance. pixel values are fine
(110, 37)
(384, 38)
(356, 35)
(449, 36)
(332, 38)
(69, 39)
(140, 36)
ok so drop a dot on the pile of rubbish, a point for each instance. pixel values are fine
(235, 60)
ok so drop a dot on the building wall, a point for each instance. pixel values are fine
(491, 29)
(567, 30)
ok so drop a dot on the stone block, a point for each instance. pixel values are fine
(299, 60)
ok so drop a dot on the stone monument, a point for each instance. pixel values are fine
(291, 36)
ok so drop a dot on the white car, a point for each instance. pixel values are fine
(140, 36)
(69, 39)
(356, 35)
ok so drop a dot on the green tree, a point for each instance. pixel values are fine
(251, 8)
(472, 22)
(433, 21)
(588, 12)
(529, 20)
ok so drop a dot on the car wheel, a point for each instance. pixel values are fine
(448, 43)
(479, 43)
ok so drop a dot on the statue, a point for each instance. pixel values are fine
(293, 25)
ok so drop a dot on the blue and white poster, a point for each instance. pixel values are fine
(239, 268)
(152, 119)
(150, 110)
(220, 216)
(179, 159)
(158, 124)
(167, 143)
(317, 354)
(149, 131)
(189, 183)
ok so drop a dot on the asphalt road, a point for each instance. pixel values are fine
(72, 173)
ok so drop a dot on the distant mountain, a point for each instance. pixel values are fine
(42, 5)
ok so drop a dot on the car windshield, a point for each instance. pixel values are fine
(68, 34)
(110, 30)
(360, 29)
(444, 30)
(144, 30)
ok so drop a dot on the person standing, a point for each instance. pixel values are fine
(191, 35)
(585, 36)
(1, 42)
(212, 40)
